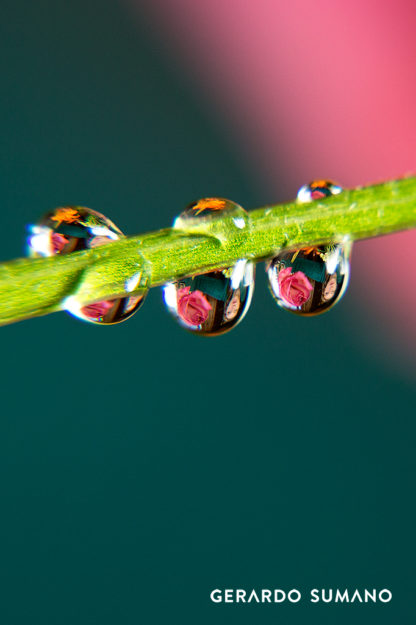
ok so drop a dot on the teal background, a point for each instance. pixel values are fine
(141, 466)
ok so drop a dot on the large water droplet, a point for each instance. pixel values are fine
(310, 280)
(215, 302)
(72, 229)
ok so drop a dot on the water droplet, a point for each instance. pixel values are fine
(310, 280)
(317, 190)
(107, 311)
(208, 206)
(72, 229)
(214, 302)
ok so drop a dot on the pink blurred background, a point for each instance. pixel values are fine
(329, 85)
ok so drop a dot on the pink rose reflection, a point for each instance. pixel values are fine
(97, 310)
(193, 308)
(58, 242)
(294, 288)
(318, 195)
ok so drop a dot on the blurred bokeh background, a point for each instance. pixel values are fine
(141, 467)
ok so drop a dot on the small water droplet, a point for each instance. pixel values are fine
(215, 302)
(210, 207)
(310, 280)
(317, 190)
(74, 228)
(207, 206)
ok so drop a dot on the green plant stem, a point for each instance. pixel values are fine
(33, 287)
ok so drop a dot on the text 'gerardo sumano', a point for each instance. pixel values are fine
(294, 595)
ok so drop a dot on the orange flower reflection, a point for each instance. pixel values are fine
(209, 203)
(66, 214)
